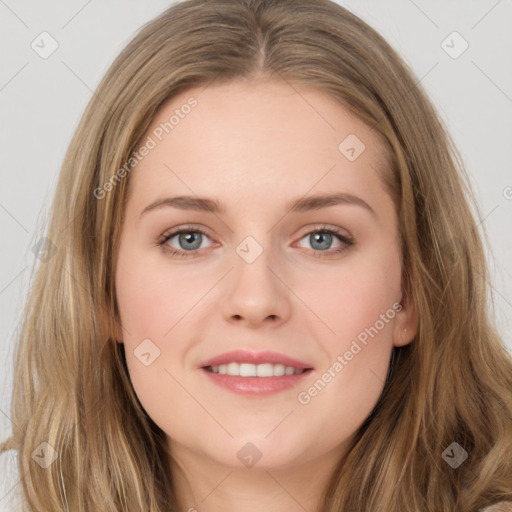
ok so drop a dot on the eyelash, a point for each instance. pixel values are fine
(347, 241)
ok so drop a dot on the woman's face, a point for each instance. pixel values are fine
(249, 274)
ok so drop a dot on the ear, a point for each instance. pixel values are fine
(406, 322)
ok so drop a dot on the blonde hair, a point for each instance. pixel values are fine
(452, 384)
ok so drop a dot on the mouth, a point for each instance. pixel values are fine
(255, 379)
(255, 373)
(264, 370)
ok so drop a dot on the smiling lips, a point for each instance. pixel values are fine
(255, 373)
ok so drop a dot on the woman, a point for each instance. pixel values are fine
(251, 370)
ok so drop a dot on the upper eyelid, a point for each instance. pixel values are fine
(307, 230)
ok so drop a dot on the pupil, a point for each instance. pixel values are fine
(322, 237)
(189, 238)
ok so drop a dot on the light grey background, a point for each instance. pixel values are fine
(43, 99)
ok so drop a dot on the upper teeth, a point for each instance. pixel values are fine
(254, 370)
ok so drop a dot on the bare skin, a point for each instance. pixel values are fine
(255, 147)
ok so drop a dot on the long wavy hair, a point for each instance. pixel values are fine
(451, 384)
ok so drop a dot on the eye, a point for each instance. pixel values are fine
(321, 240)
(188, 238)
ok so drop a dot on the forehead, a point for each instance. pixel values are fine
(255, 138)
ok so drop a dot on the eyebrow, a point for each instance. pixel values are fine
(300, 205)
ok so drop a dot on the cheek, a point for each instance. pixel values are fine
(152, 299)
(358, 306)
(355, 296)
(159, 303)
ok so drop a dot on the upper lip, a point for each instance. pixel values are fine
(246, 356)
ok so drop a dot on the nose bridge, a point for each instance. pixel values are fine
(254, 259)
(256, 292)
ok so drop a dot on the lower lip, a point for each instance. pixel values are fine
(256, 385)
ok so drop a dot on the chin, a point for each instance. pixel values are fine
(260, 452)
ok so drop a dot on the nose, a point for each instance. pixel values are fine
(257, 292)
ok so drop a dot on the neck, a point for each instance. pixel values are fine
(204, 485)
